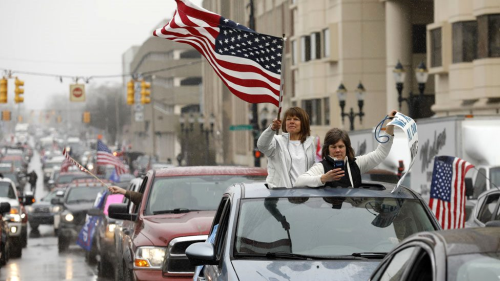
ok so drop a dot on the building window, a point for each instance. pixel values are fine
(326, 42)
(305, 48)
(313, 109)
(326, 104)
(294, 52)
(488, 29)
(436, 48)
(464, 41)
(295, 73)
(191, 81)
(315, 45)
(419, 34)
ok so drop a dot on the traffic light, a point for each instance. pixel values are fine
(3, 90)
(130, 92)
(86, 117)
(19, 91)
(145, 93)
(257, 154)
(6, 115)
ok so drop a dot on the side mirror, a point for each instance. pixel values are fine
(4, 207)
(201, 253)
(469, 188)
(56, 201)
(95, 212)
(120, 212)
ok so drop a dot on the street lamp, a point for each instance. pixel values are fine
(342, 95)
(421, 74)
(264, 115)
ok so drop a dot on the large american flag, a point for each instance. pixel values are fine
(447, 200)
(248, 63)
(106, 157)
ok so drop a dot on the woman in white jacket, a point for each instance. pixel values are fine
(337, 146)
(291, 153)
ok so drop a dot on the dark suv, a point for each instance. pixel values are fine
(77, 200)
(304, 233)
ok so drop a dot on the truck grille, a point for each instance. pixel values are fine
(42, 210)
(176, 261)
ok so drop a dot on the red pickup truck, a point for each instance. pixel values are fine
(177, 209)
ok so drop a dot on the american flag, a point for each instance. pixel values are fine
(105, 157)
(248, 63)
(447, 200)
(72, 162)
(66, 164)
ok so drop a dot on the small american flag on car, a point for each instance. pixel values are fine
(249, 63)
(447, 200)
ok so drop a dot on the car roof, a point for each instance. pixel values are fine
(368, 189)
(466, 240)
(210, 170)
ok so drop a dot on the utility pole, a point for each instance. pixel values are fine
(255, 116)
(153, 116)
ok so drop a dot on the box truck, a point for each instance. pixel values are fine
(472, 138)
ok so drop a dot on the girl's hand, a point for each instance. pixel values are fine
(276, 125)
(332, 175)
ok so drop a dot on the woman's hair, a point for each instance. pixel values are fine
(332, 137)
(305, 129)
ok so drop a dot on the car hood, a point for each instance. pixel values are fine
(272, 270)
(74, 208)
(13, 202)
(160, 229)
(40, 204)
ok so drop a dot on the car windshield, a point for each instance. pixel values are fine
(83, 194)
(191, 193)
(49, 196)
(67, 178)
(474, 267)
(5, 167)
(6, 190)
(341, 226)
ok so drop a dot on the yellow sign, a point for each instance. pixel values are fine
(77, 92)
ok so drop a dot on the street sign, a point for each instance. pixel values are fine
(138, 107)
(139, 116)
(240, 128)
(77, 92)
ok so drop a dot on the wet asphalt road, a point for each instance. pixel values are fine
(40, 259)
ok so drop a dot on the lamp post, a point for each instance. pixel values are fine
(207, 132)
(421, 74)
(360, 94)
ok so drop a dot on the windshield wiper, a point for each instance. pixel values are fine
(174, 211)
(370, 255)
(292, 256)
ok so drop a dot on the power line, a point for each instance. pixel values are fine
(56, 62)
(9, 72)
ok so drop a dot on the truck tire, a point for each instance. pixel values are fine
(5, 254)
(104, 268)
(62, 244)
(118, 270)
(128, 275)
(16, 250)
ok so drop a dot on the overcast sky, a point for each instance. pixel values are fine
(72, 37)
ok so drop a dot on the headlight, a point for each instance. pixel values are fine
(55, 209)
(29, 209)
(69, 217)
(14, 215)
(149, 257)
(90, 166)
(111, 227)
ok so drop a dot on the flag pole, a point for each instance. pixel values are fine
(282, 80)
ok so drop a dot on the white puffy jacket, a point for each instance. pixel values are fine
(279, 162)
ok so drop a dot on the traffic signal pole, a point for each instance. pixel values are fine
(153, 117)
(255, 116)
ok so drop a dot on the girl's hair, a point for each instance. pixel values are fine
(332, 137)
(305, 129)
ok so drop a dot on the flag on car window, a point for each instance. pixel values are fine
(105, 157)
(447, 198)
(249, 63)
(318, 150)
(86, 235)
